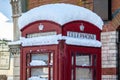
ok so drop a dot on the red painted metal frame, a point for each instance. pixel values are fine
(83, 50)
(47, 66)
(62, 52)
(33, 27)
(74, 66)
(75, 27)
(31, 50)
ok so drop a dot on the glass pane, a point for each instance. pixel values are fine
(28, 73)
(39, 74)
(28, 60)
(51, 74)
(83, 74)
(43, 70)
(72, 59)
(72, 74)
(83, 60)
(39, 59)
(51, 59)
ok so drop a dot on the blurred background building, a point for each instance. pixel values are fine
(6, 36)
(6, 61)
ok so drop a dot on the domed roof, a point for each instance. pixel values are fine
(60, 13)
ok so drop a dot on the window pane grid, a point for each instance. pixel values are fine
(39, 66)
(83, 66)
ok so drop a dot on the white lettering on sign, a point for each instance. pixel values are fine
(81, 35)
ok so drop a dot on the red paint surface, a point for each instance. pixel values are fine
(62, 52)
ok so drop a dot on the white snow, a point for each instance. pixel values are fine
(37, 63)
(15, 42)
(36, 78)
(83, 42)
(53, 39)
(60, 13)
(44, 40)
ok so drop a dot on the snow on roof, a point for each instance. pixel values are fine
(36, 78)
(53, 39)
(37, 63)
(60, 13)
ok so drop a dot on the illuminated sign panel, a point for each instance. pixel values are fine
(81, 35)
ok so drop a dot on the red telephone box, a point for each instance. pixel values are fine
(51, 51)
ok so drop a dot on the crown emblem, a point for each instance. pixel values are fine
(82, 27)
(41, 26)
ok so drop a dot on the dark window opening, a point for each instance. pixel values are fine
(103, 9)
(24, 5)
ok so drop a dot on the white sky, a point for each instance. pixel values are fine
(5, 8)
(6, 28)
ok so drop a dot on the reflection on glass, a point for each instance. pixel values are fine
(28, 73)
(42, 69)
(51, 74)
(82, 67)
(83, 74)
(40, 73)
(72, 75)
(51, 59)
(83, 60)
(39, 59)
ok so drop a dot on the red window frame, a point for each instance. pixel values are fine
(91, 67)
(49, 66)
